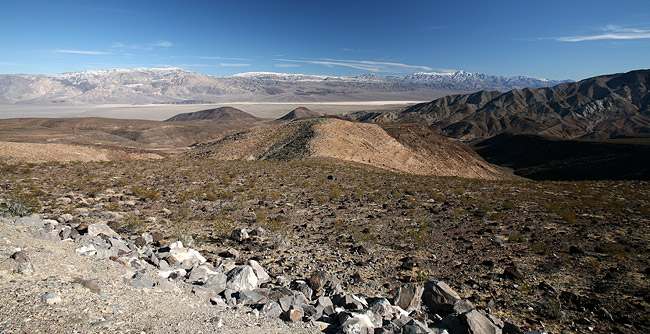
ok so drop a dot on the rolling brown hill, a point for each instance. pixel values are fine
(410, 149)
(600, 107)
(223, 115)
(300, 113)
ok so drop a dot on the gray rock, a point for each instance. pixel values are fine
(439, 297)
(462, 306)
(51, 298)
(408, 297)
(261, 274)
(201, 274)
(382, 308)
(302, 287)
(296, 300)
(311, 312)
(204, 293)
(478, 323)
(101, 229)
(66, 232)
(242, 278)
(324, 301)
(358, 324)
(239, 234)
(219, 302)
(416, 327)
(271, 310)
(23, 263)
(249, 297)
(142, 280)
(216, 282)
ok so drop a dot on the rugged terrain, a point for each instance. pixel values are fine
(566, 256)
(173, 85)
(410, 149)
(600, 107)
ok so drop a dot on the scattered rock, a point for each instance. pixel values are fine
(242, 278)
(23, 263)
(513, 273)
(439, 297)
(408, 297)
(51, 298)
(359, 324)
(90, 284)
(479, 323)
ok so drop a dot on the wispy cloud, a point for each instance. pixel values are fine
(365, 65)
(287, 65)
(233, 64)
(146, 47)
(610, 32)
(4, 63)
(83, 52)
(223, 58)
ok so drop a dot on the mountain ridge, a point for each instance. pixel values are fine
(169, 85)
(599, 107)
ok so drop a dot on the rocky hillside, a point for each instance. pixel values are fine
(600, 107)
(222, 115)
(398, 149)
(173, 85)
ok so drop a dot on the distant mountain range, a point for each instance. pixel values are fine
(606, 106)
(173, 85)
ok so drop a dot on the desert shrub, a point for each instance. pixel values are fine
(515, 237)
(24, 200)
(145, 193)
(539, 248)
(132, 224)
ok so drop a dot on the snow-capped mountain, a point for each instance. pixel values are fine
(174, 85)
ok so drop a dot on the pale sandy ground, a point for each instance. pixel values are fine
(159, 112)
(31, 152)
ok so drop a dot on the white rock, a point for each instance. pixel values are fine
(51, 298)
(87, 250)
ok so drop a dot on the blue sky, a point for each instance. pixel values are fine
(543, 39)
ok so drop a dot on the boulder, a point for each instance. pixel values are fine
(478, 323)
(408, 297)
(416, 327)
(261, 274)
(242, 278)
(23, 263)
(271, 310)
(358, 324)
(101, 229)
(439, 297)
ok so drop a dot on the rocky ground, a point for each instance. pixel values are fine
(562, 256)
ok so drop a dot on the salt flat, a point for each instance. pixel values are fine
(159, 112)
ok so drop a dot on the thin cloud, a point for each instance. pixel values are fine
(365, 65)
(83, 52)
(287, 65)
(611, 32)
(233, 65)
(146, 47)
(223, 58)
